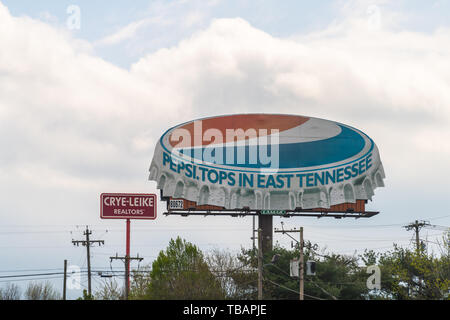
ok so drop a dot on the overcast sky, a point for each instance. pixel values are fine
(81, 111)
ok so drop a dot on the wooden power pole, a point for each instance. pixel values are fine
(416, 226)
(65, 280)
(301, 273)
(87, 243)
(126, 259)
(253, 232)
(260, 265)
(301, 265)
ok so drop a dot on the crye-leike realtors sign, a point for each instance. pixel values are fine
(127, 206)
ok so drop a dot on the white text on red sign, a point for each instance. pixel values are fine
(128, 201)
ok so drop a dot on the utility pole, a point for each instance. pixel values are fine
(301, 244)
(301, 265)
(260, 266)
(253, 233)
(416, 226)
(65, 279)
(88, 243)
(126, 259)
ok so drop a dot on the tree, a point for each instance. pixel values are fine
(41, 291)
(139, 283)
(183, 272)
(109, 291)
(180, 272)
(236, 280)
(337, 276)
(411, 274)
(10, 292)
(86, 296)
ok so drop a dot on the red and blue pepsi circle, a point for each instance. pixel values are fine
(302, 144)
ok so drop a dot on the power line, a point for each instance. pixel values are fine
(438, 227)
(31, 275)
(34, 279)
(142, 229)
(441, 217)
(27, 270)
(52, 273)
(281, 286)
(355, 226)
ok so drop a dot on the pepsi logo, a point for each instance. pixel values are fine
(268, 153)
(258, 141)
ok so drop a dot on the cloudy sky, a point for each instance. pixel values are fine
(87, 88)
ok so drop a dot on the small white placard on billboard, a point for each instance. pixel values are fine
(176, 204)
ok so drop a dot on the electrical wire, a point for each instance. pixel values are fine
(30, 275)
(28, 270)
(274, 265)
(441, 217)
(323, 290)
(289, 289)
(34, 279)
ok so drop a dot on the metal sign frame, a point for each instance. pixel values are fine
(297, 212)
(288, 214)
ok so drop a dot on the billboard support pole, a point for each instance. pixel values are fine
(265, 223)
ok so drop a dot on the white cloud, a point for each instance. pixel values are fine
(162, 24)
(129, 31)
(70, 120)
(125, 33)
(63, 108)
(359, 71)
(47, 17)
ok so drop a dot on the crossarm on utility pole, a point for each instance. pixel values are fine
(126, 259)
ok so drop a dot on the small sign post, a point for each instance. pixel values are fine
(127, 206)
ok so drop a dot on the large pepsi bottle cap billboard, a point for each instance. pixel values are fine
(266, 161)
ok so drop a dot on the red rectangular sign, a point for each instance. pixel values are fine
(127, 206)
